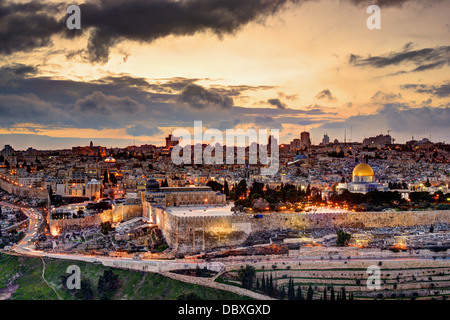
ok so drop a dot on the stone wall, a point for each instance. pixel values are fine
(120, 213)
(193, 234)
(59, 225)
(23, 191)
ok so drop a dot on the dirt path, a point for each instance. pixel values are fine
(43, 278)
(208, 282)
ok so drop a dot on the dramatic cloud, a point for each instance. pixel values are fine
(424, 59)
(99, 104)
(325, 95)
(25, 26)
(383, 97)
(146, 21)
(141, 130)
(277, 103)
(200, 98)
(441, 91)
(16, 109)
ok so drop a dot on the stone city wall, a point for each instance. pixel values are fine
(120, 213)
(23, 191)
(193, 234)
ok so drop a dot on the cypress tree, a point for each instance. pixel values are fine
(291, 292)
(271, 288)
(344, 295)
(310, 293)
(283, 293)
(332, 297)
(299, 293)
(263, 284)
(325, 293)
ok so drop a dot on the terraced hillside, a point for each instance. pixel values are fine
(400, 279)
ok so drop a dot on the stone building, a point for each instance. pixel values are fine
(181, 196)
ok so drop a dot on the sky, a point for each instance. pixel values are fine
(138, 70)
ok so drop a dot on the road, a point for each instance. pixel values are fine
(35, 219)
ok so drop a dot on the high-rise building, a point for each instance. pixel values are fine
(325, 140)
(305, 140)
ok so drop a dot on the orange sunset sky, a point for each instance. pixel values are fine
(138, 69)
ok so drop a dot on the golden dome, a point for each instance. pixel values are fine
(362, 170)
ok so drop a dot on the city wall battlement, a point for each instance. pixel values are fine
(194, 234)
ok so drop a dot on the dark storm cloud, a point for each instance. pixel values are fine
(134, 104)
(27, 108)
(99, 104)
(325, 95)
(198, 97)
(424, 59)
(277, 103)
(441, 91)
(17, 69)
(146, 21)
(29, 25)
(25, 26)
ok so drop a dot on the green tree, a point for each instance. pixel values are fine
(247, 276)
(86, 292)
(310, 293)
(108, 284)
(343, 238)
(332, 295)
(299, 293)
(112, 178)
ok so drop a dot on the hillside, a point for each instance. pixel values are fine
(21, 279)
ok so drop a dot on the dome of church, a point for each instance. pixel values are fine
(363, 170)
